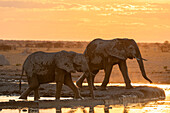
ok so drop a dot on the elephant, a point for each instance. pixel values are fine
(41, 67)
(103, 54)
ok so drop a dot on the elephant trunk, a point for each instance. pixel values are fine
(140, 62)
(141, 65)
(89, 77)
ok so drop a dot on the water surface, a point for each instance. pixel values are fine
(151, 107)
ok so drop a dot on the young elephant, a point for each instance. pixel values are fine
(41, 67)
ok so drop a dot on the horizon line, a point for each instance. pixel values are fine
(77, 40)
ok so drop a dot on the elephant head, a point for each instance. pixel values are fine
(72, 62)
(126, 48)
(80, 63)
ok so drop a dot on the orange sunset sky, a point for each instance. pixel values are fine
(84, 20)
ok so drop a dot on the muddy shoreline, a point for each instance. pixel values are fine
(48, 90)
(112, 96)
(9, 86)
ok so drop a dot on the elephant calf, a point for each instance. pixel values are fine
(41, 67)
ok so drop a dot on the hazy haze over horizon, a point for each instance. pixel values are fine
(142, 20)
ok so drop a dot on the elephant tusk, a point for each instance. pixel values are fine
(136, 58)
(144, 59)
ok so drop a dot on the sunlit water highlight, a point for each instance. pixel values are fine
(151, 107)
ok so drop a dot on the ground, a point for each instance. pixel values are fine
(112, 96)
(157, 69)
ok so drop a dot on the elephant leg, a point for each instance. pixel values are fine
(58, 89)
(107, 70)
(59, 78)
(89, 80)
(93, 76)
(36, 94)
(68, 81)
(82, 77)
(80, 80)
(25, 93)
(33, 84)
(124, 71)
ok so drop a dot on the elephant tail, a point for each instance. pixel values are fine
(20, 79)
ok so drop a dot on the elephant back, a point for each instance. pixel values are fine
(99, 48)
(38, 62)
(96, 46)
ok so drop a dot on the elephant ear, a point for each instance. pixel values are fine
(65, 61)
(78, 59)
(116, 48)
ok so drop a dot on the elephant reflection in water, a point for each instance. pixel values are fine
(59, 110)
(83, 110)
(41, 67)
(33, 110)
(37, 110)
(103, 54)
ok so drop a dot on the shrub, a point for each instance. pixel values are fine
(5, 47)
(58, 45)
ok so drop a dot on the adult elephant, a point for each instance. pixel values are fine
(103, 54)
(41, 67)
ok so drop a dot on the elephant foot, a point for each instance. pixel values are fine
(36, 99)
(129, 87)
(102, 88)
(78, 97)
(94, 88)
(57, 99)
(22, 97)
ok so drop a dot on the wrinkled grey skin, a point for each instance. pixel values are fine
(41, 67)
(103, 54)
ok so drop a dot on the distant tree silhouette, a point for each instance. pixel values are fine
(44, 45)
(165, 47)
(74, 45)
(58, 45)
(69, 45)
(5, 47)
(78, 45)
